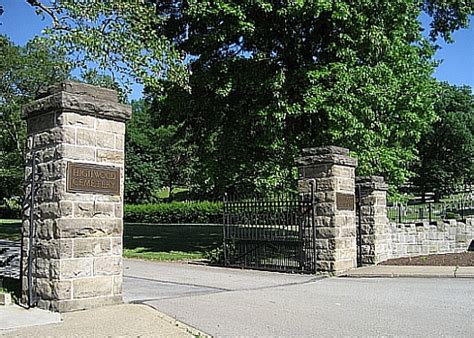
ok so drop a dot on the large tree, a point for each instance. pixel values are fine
(447, 150)
(254, 81)
(24, 71)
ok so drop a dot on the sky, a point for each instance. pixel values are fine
(20, 23)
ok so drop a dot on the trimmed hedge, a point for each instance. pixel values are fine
(174, 212)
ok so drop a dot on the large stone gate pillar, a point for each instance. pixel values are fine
(374, 227)
(72, 257)
(332, 171)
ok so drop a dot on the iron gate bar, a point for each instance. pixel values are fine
(275, 234)
(359, 226)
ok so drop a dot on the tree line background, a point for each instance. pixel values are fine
(235, 89)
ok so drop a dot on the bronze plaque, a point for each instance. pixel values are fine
(93, 178)
(345, 201)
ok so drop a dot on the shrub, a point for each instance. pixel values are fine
(10, 208)
(174, 212)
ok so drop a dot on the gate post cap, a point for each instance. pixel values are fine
(325, 150)
(79, 98)
(326, 155)
(372, 182)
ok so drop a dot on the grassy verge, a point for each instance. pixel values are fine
(143, 253)
(10, 229)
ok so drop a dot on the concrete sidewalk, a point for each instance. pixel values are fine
(130, 320)
(383, 271)
(16, 317)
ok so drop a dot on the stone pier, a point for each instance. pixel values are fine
(76, 146)
(332, 171)
(374, 227)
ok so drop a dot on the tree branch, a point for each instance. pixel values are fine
(46, 9)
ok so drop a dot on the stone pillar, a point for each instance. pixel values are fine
(76, 134)
(332, 171)
(374, 227)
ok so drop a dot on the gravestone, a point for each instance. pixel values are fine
(72, 242)
(331, 171)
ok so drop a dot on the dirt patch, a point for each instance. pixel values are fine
(451, 259)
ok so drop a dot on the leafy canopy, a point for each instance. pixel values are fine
(24, 71)
(251, 82)
(447, 150)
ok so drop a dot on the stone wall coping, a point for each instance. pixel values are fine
(79, 102)
(330, 158)
(371, 182)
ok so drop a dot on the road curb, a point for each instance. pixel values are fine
(393, 271)
(188, 328)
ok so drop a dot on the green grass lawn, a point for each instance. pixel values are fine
(153, 242)
(170, 242)
(10, 229)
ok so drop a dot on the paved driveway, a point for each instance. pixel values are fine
(230, 302)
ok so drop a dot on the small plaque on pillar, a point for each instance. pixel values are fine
(345, 201)
(93, 178)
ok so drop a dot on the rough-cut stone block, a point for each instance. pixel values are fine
(119, 142)
(41, 123)
(117, 245)
(81, 228)
(47, 268)
(106, 140)
(110, 126)
(91, 247)
(93, 287)
(80, 153)
(49, 137)
(110, 156)
(45, 229)
(66, 208)
(76, 268)
(76, 120)
(86, 137)
(83, 209)
(118, 281)
(104, 266)
(50, 290)
(54, 248)
(118, 210)
(82, 304)
(324, 184)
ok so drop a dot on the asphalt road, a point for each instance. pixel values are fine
(230, 302)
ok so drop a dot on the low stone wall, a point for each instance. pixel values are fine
(423, 238)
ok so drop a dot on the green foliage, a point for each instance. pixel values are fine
(155, 157)
(247, 84)
(24, 72)
(269, 78)
(174, 212)
(95, 78)
(10, 208)
(116, 35)
(447, 150)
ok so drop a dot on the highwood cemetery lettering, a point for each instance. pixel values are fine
(93, 178)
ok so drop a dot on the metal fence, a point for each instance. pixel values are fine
(460, 208)
(271, 233)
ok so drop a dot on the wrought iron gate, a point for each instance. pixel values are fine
(359, 226)
(272, 233)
